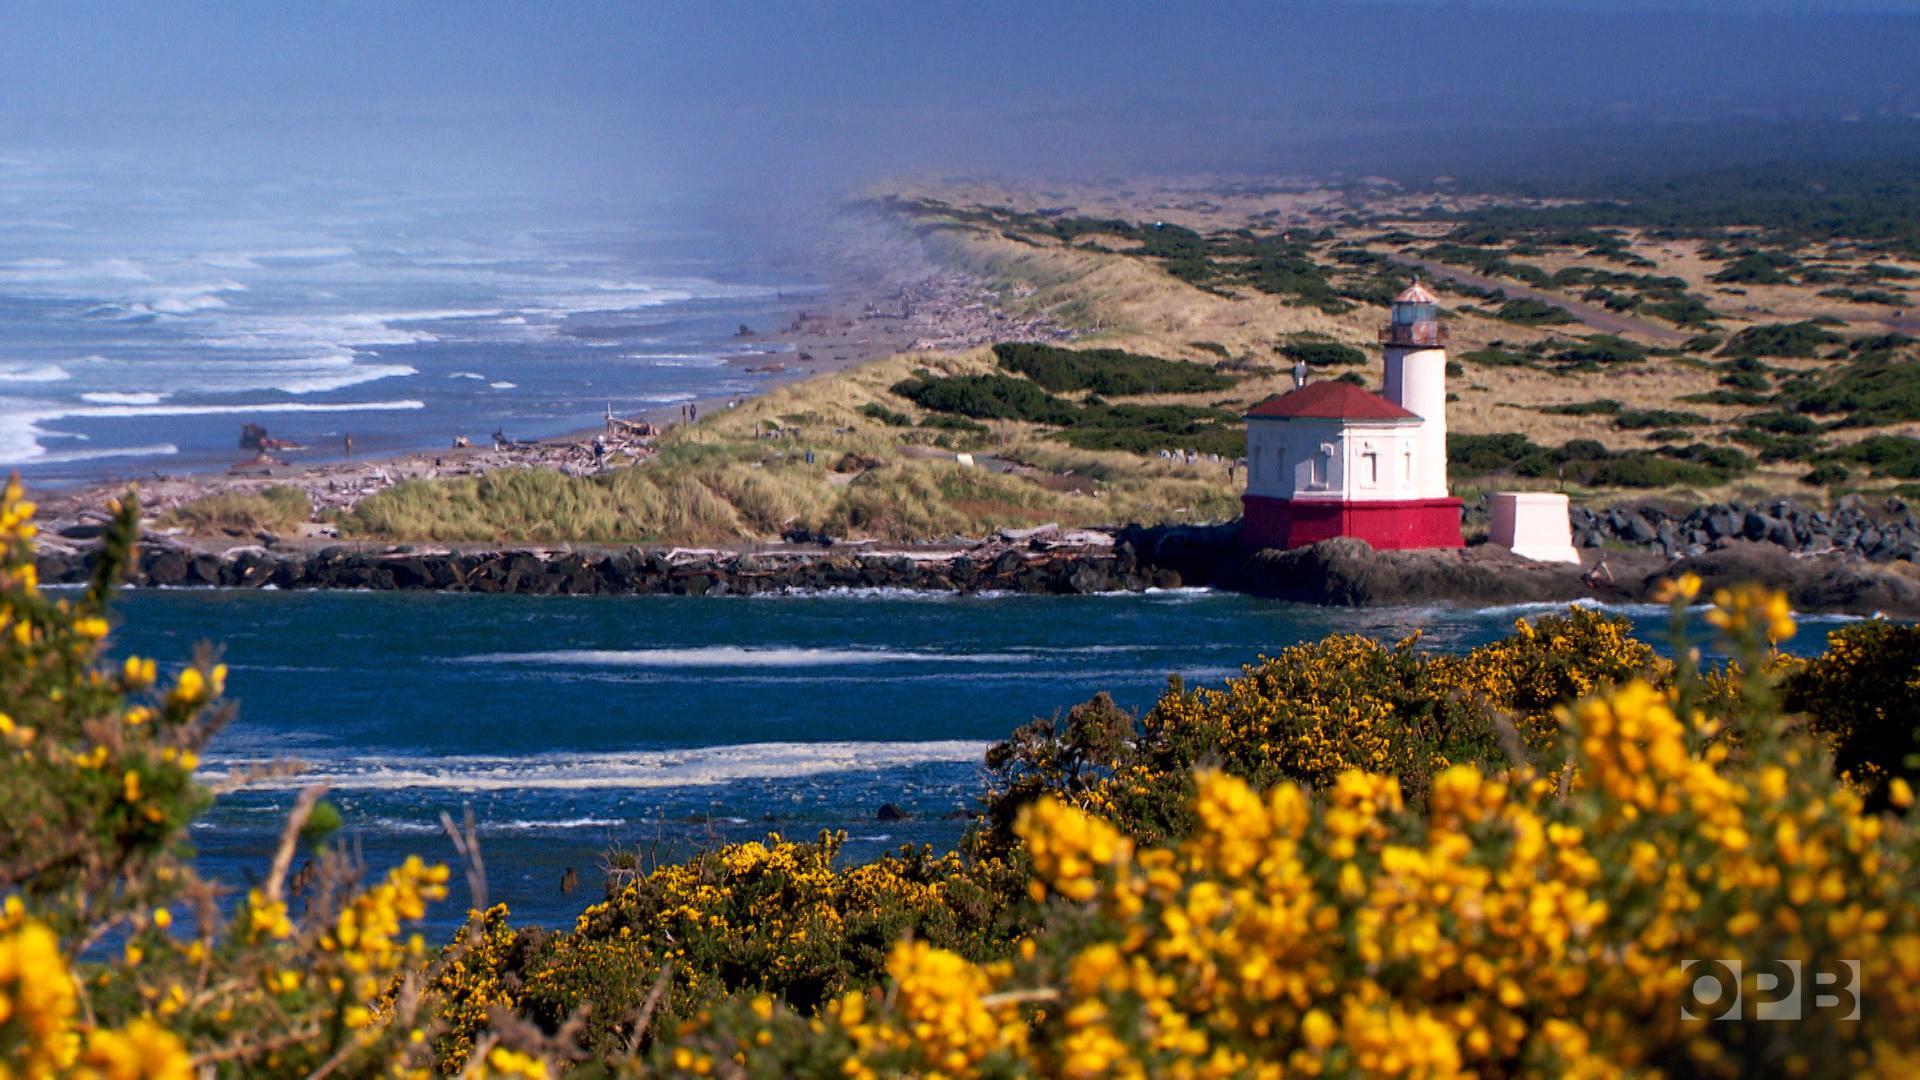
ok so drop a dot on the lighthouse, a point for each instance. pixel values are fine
(1330, 459)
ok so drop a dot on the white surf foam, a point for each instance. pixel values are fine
(717, 656)
(640, 770)
(501, 385)
(33, 373)
(114, 397)
(64, 456)
(258, 407)
(21, 430)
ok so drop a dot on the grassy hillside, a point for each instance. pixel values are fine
(1606, 359)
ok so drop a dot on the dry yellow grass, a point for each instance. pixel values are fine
(743, 474)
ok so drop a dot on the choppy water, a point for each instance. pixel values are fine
(143, 320)
(573, 724)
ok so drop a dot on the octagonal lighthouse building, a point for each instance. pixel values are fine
(1330, 459)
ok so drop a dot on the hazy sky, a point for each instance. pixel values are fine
(662, 96)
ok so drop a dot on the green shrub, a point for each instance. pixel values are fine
(1864, 693)
(1323, 353)
(1641, 419)
(1599, 407)
(1802, 340)
(986, 397)
(1826, 475)
(1603, 349)
(1758, 268)
(1529, 312)
(1108, 372)
(876, 411)
(1896, 456)
(1144, 429)
(1871, 390)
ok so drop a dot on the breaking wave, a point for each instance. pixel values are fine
(640, 770)
(739, 656)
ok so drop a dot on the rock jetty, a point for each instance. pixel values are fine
(1343, 572)
(1881, 533)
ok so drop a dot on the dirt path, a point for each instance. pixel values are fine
(1597, 318)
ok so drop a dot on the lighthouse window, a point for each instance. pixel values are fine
(1406, 466)
(1369, 469)
(1317, 467)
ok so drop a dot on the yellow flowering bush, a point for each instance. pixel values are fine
(1352, 860)
(774, 916)
(115, 960)
(1864, 694)
(1316, 710)
(1521, 922)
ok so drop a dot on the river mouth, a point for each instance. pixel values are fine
(574, 725)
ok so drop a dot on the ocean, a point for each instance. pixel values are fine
(144, 319)
(573, 726)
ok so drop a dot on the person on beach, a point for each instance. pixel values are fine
(693, 412)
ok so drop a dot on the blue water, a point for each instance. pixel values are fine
(144, 319)
(573, 725)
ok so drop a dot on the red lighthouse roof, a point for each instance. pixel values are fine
(1331, 400)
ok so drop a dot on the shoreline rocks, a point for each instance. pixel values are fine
(1339, 573)
(1883, 533)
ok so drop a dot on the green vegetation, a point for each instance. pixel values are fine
(1143, 429)
(1803, 340)
(1896, 456)
(1488, 262)
(275, 508)
(1122, 866)
(1758, 268)
(987, 397)
(1530, 312)
(1793, 205)
(1591, 464)
(1642, 419)
(1602, 349)
(1871, 390)
(1597, 407)
(1322, 354)
(873, 410)
(1107, 372)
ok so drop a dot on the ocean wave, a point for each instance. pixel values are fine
(639, 770)
(501, 385)
(352, 375)
(63, 457)
(737, 656)
(33, 373)
(257, 407)
(21, 430)
(115, 397)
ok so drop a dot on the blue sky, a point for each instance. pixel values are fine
(592, 94)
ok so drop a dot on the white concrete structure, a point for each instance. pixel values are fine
(1534, 524)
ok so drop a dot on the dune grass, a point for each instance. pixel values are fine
(742, 475)
(275, 508)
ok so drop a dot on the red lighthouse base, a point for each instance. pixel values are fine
(1388, 526)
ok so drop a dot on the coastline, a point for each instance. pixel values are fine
(903, 308)
(1341, 573)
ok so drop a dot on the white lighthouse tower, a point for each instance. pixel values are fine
(1416, 380)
